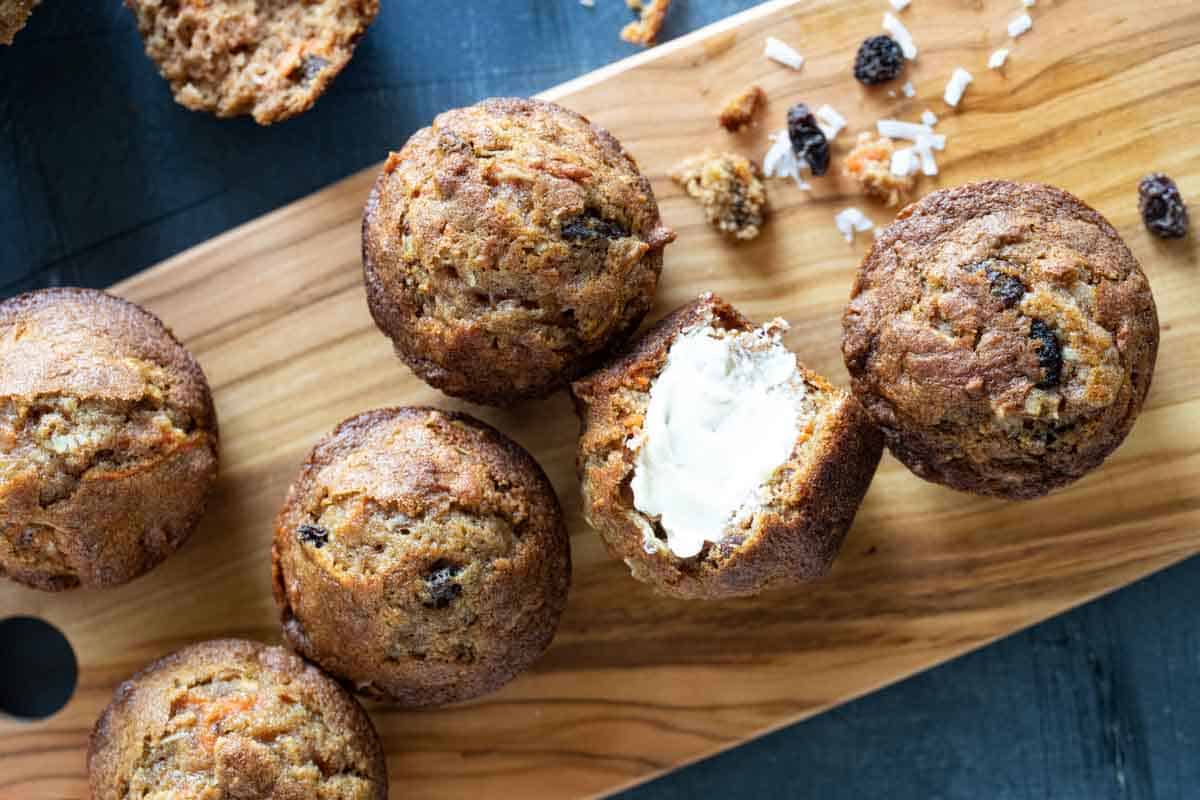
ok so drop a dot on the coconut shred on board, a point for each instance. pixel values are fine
(895, 28)
(783, 53)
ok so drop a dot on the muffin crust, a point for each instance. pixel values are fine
(421, 556)
(108, 440)
(234, 719)
(792, 537)
(1002, 336)
(270, 59)
(506, 246)
(13, 16)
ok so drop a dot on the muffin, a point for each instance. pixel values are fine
(108, 440)
(270, 60)
(1002, 336)
(421, 556)
(234, 719)
(713, 463)
(506, 246)
(13, 16)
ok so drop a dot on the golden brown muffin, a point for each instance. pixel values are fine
(506, 246)
(728, 187)
(13, 16)
(421, 556)
(1002, 336)
(234, 719)
(789, 527)
(108, 440)
(270, 59)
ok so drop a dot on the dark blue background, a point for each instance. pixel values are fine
(102, 175)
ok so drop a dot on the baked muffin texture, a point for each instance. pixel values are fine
(1002, 336)
(13, 16)
(270, 59)
(421, 556)
(506, 246)
(229, 718)
(108, 440)
(795, 527)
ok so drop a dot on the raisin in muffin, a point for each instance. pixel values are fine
(506, 246)
(270, 59)
(13, 16)
(713, 463)
(108, 440)
(1002, 336)
(421, 556)
(234, 719)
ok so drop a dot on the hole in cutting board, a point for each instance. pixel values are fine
(38, 670)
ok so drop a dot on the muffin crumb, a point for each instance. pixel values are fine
(644, 30)
(13, 16)
(728, 187)
(870, 165)
(739, 110)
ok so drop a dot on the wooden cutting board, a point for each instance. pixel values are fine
(1100, 92)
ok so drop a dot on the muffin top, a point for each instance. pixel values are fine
(1002, 336)
(506, 244)
(108, 439)
(786, 524)
(237, 719)
(422, 556)
(270, 59)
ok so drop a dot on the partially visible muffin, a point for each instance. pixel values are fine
(421, 556)
(108, 440)
(507, 246)
(1002, 336)
(13, 16)
(270, 59)
(713, 463)
(230, 718)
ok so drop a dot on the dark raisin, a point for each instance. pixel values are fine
(1049, 354)
(311, 67)
(312, 534)
(441, 586)
(808, 142)
(589, 227)
(1008, 288)
(879, 59)
(1162, 207)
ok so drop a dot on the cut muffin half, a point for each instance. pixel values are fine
(713, 463)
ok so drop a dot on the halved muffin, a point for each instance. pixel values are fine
(714, 463)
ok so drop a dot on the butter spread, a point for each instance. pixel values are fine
(724, 415)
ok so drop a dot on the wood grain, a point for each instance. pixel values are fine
(1093, 97)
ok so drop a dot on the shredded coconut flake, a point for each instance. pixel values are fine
(588, 3)
(900, 5)
(909, 90)
(928, 162)
(783, 53)
(1029, 3)
(1019, 25)
(781, 162)
(997, 59)
(929, 118)
(851, 220)
(956, 86)
(829, 121)
(904, 162)
(896, 29)
(896, 129)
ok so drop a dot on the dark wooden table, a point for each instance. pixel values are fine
(102, 175)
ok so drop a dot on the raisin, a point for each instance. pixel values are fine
(588, 227)
(311, 67)
(879, 59)
(808, 142)
(312, 534)
(1008, 288)
(1162, 207)
(440, 584)
(1049, 354)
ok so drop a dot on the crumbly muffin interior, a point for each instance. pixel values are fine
(268, 58)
